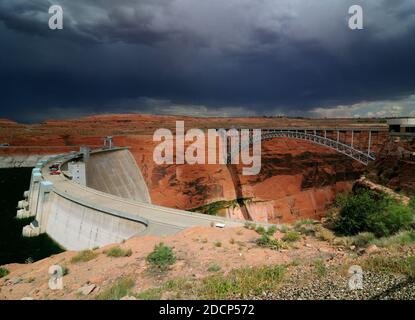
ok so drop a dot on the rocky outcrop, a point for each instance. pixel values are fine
(395, 166)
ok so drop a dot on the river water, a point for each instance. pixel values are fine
(14, 247)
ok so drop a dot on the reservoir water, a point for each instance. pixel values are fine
(14, 247)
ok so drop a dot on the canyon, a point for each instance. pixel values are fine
(297, 180)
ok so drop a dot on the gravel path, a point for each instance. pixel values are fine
(375, 286)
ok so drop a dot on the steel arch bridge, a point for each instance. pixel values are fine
(349, 150)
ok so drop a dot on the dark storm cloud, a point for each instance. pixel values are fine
(238, 56)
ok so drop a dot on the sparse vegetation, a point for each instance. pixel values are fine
(325, 235)
(118, 252)
(389, 264)
(400, 239)
(250, 225)
(268, 242)
(260, 230)
(361, 240)
(122, 287)
(3, 272)
(269, 231)
(161, 257)
(214, 267)
(291, 236)
(84, 256)
(242, 283)
(217, 208)
(218, 244)
(305, 226)
(65, 270)
(29, 260)
(320, 268)
(367, 211)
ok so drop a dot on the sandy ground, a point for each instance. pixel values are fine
(195, 248)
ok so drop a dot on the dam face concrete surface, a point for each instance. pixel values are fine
(113, 206)
(117, 173)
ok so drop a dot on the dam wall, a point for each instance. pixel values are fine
(117, 173)
(79, 217)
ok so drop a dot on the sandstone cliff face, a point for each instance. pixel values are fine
(395, 166)
(298, 179)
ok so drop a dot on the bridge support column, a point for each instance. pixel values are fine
(352, 138)
(369, 142)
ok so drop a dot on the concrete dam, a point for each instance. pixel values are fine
(95, 198)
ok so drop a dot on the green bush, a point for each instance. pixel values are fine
(161, 257)
(271, 243)
(393, 218)
(271, 230)
(367, 211)
(3, 272)
(291, 236)
(260, 230)
(117, 252)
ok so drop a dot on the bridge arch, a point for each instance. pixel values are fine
(349, 150)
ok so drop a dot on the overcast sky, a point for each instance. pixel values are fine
(210, 57)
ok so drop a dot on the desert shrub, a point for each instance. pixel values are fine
(362, 239)
(319, 268)
(400, 239)
(217, 244)
(305, 226)
(271, 243)
(303, 222)
(118, 252)
(242, 283)
(291, 236)
(84, 256)
(121, 288)
(371, 212)
(260, 230)
(3, 272)
(271, 230)
(161, 257)
(284, 228)
(250, 225)
(65, 270)
(214, 267)
(325, 235)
